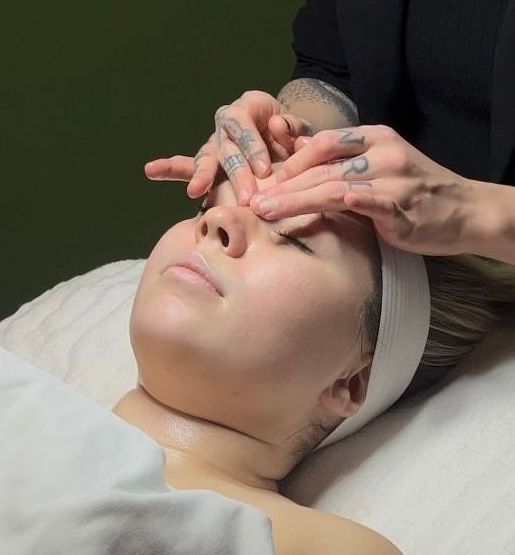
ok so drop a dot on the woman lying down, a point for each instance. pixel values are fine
(258, 342)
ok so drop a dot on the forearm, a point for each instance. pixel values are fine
(495, 217)
(324, 106)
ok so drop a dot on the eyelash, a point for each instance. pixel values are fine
(296, 242)
(203, 208)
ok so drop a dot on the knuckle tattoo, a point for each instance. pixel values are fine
(245, 141)
(232, 126)
(233, 163)
(349, 137)
(358, 166)
(243, 137)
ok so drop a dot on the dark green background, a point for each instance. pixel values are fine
(91, 91)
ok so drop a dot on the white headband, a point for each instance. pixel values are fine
(402, 337)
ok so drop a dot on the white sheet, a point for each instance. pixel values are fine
(77, 479)
(434, 474)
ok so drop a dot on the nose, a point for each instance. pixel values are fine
(230, 227)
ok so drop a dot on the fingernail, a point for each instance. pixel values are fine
(262, 167)
(266, 204)
(195, 191)
(257, 198)
(149, 166)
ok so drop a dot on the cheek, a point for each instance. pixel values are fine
(297, 321)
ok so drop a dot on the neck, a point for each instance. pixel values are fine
(205, 448)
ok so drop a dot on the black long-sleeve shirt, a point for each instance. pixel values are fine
(448, 52)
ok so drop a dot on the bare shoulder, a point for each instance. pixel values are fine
(330, 534)
(300, 530)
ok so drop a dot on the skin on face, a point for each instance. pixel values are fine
(258, 359)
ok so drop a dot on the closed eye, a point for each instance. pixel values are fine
(203, 208)
(296, 242)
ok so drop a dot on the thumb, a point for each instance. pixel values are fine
(285, 128)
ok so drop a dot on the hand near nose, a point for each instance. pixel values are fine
(249, 134)
(415, 204)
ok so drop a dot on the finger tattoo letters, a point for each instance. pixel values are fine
(244, 138)
(348, 137)
(233, 163)
(358, 166)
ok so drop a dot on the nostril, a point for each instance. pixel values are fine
(223, 236)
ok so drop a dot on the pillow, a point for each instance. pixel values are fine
(434, 474)
(79, 331)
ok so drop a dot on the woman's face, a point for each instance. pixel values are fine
(287, 326)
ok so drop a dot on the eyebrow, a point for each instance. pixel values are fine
(344, 226)
(321, 221)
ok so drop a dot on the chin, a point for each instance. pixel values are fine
(161, 313)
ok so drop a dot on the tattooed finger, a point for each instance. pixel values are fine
(348, 136)
(237, 169)
(358, 166)
(241, 129)
(233, 163)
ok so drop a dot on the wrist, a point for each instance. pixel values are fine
(489, 217)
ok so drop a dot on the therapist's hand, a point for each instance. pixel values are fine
(249, 134)
(415, 204)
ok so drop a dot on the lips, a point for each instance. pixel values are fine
(197, 263)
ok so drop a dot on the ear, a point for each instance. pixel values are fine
(345, 396)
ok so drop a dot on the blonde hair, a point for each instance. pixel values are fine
(470, 295)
